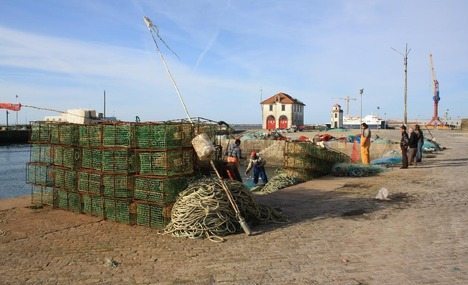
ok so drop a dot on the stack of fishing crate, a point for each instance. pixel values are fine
(124, 172)
(53, 163)
(106, 176)
(165, 161)
(39, 167)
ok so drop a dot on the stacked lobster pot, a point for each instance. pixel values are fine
(305, 160)
(165, 160)
(108, 167)
(126, 172)
(39, 167)
(53, 165)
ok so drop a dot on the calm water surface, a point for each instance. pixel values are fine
(13, 159)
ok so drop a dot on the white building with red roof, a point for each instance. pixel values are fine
(281, 111)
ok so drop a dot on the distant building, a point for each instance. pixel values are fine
(336, 117)
(281, 111)
(75, 116)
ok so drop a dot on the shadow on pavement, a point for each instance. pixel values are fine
(301, 204)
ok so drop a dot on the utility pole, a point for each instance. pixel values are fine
(104, 114)
(16, 111)
(360, 92)
(405, 63)
(7, 119)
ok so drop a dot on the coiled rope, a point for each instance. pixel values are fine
(203, 211)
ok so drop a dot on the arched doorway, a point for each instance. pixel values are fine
(271, 123)
(283, 122)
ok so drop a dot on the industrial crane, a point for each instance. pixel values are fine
(347, 99)
(435, 86)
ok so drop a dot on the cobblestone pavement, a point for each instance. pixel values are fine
(336, 234)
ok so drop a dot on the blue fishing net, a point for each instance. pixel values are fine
(355, 170)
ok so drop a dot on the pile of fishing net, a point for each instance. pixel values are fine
(390, 158)
(431, 146)
(203, 210)
(279, 181)
(355, 170)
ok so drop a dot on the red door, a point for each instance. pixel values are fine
(283, 122)
(271, 123)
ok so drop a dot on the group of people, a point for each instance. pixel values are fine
(256, 163)
(411, 146)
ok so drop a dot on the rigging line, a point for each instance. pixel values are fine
(153, 29)
(56, 111)
(167, 46)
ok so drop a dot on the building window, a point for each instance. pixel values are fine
(271, 107)
(336, 115)
(283, 107)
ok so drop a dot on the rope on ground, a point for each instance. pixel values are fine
(203, 211)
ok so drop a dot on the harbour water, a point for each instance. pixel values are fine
(13, 159)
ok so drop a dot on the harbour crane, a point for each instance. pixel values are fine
(347, 99)
(435, 121)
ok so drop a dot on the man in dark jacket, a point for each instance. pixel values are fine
(412, 146)
(404, 147)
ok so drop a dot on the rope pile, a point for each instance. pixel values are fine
(355, 170)
(276, 183)
(203, 211)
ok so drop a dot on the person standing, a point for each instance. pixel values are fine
(404, 147)
(412, 146)
(419, 151)
(365, 143)
(234, 154)
(258, 165)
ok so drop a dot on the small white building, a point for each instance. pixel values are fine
(336, 117)
(75, 116)
(281, 111)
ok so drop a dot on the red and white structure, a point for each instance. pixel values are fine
(281, 111)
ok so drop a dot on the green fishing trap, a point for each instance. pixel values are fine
(42, 195)
(65, 178)
(153, 215)
(159, 190)
(118, 185)
(66, 156)
(90, 182)
(39, 174)
(163, 135)
(40, 132)
(41, 153)
(65, 200)
(90, 135)
(166, 163)
(119, 210)
(92, 204)
(64, 133)
(91, 158)
(118, 135)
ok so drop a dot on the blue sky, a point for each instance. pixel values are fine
(62, 55)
